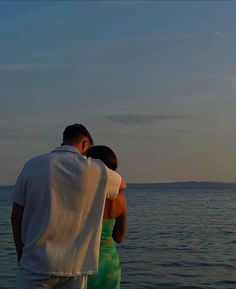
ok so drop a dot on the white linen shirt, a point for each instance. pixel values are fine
(63, 194)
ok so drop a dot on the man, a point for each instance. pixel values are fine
(58, 203)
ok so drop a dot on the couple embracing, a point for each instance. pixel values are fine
(68, 209)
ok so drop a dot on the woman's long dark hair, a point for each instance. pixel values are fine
(105, 154)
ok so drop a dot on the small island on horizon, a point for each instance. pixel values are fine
(197, 184)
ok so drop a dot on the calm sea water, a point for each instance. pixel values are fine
(180, 236)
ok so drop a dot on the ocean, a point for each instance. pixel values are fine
(179, 236)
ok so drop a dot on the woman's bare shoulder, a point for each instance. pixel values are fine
(116, 207)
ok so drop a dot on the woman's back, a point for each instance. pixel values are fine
(113, 229)
(107, 231)
(109, 271)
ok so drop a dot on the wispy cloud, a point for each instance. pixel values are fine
(29, 67)
(188, 131)
(196, 84)
(119, 135)
(137, 119)
(9, 133)
(222, 33)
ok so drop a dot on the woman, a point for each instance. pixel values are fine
(114, 228)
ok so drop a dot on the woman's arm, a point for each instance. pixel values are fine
(120, 224)
(119, 229)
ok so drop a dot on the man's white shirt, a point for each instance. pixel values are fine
(63, 194)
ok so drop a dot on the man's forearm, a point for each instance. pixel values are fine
(16, 221)
(16, 228)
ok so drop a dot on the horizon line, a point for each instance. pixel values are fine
(164, 183)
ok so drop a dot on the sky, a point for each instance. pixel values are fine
(154, 80)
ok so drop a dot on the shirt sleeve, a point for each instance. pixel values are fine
(113, 184)
(19, 190)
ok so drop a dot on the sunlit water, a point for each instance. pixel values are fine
(180, 236)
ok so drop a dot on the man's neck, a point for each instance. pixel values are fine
(71, 145)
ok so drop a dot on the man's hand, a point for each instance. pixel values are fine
(16, 221)
(122, 185)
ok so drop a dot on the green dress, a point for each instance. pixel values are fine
(109, 271)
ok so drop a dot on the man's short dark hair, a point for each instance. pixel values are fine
(75, 132)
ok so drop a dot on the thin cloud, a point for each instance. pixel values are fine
(188, 131)
(130, 136)
(138, 119)
(222, 33)
(25, 67)
(198, 84)
(15, 134)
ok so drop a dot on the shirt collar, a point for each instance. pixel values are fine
(66, 148)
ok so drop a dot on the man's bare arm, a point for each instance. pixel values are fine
(16, 222)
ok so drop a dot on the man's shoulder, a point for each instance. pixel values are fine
(95, 163)
(37, 159)
(99, 165)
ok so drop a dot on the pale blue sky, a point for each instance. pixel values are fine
(154, 80)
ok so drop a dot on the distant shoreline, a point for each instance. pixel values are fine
(190, 184)
(184, 182)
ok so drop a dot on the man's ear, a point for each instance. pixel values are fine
(84, 145)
